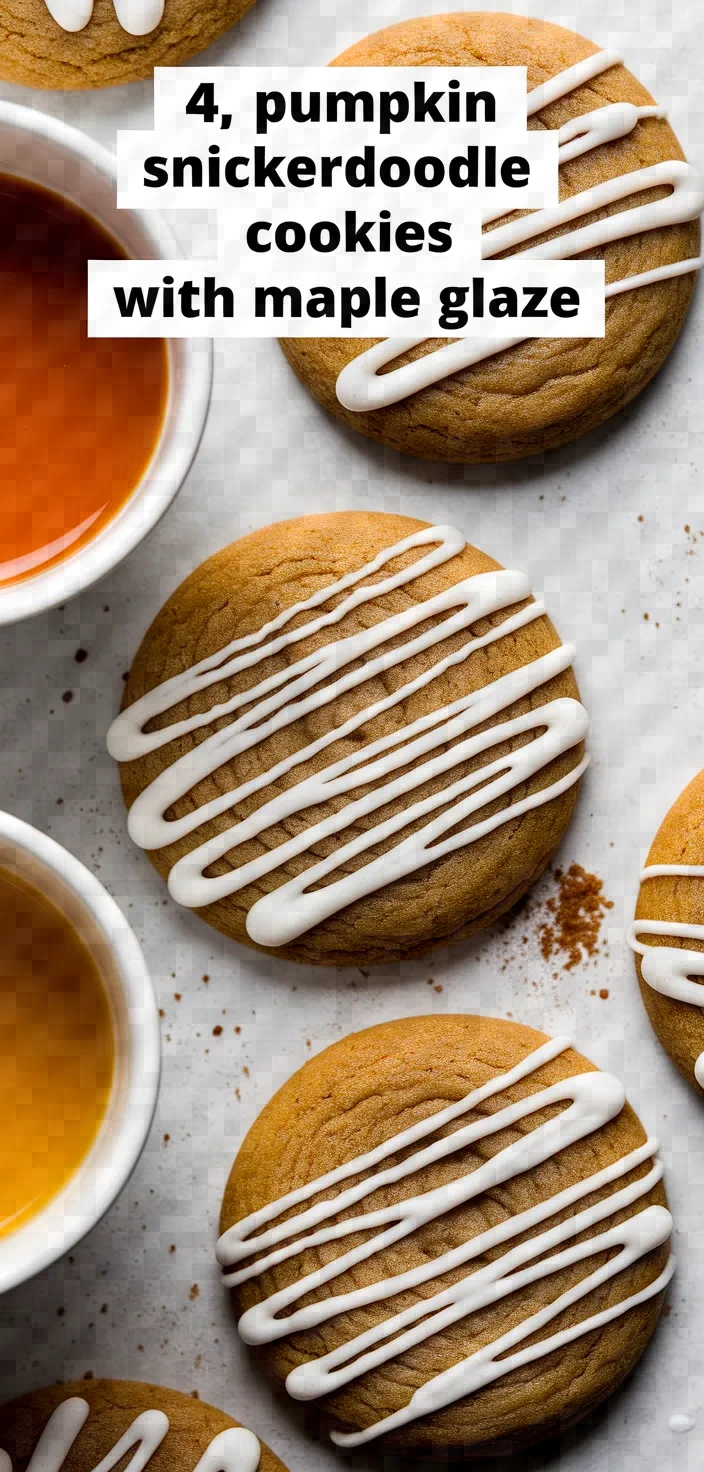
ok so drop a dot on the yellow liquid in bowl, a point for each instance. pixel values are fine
(57, 1051)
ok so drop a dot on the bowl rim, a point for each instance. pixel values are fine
(21, 1257)
(190, 362)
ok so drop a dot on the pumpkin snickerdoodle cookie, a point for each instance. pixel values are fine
(77, 1427)
(450, 1234)
(73, 44)
(668, 933)
(350, 737)
(452, 402)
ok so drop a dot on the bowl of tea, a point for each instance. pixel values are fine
(79, 1051)
(96, 435)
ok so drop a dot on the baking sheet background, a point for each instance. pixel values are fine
(574, 523)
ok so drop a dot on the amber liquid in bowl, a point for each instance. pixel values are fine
(57, 1051)
(80, 417)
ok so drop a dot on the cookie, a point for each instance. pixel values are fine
(73, 1428)
(349, 737)
(543, 392)
(667, 934)
(71, 44)
(470, 1250)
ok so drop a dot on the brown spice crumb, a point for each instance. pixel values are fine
(177, 996)
(162, 1012)
(206, 978)
(217, 1031)
(194, 1291)
(576, 915)
(88, 1375)
(238, 1029)
(67, 697)
(245, 1071)
(166, 1139)
(437, 988)
(604, 993)
(103, 1308)
(195, 1395)
(172, 1248)
(80, 655)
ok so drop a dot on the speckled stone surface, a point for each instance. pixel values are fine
(612, 530)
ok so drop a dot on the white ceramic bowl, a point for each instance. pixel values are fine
(49, 152)
(120, 1140)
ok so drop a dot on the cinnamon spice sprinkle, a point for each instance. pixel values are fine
(576, 915)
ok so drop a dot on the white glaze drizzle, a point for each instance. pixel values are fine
(359, 386)
(234, 1450)
(281, 699)
(681, 1422)
(593, 1099)
(137, 17)
(667, 969)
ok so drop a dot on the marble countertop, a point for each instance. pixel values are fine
(611, 531)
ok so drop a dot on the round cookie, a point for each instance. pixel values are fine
(39, 51)
(422, 751)
(543, 392)
(668, 933)
(85, 1421)
(548, 1162)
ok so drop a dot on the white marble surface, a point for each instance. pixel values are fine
(600, 526)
